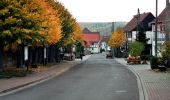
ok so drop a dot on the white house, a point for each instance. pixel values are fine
(162, 28)
(132, 26)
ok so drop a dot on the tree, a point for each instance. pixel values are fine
(117, 38)
(19, 24)
(66, 22)
(141, 36)
(76, 35)
(165, 50)
(52, 21)
(24, 22)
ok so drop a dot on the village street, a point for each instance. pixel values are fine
(97, 78)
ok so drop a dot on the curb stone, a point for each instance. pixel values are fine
(142, 91)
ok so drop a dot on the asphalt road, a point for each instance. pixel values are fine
(97, 78)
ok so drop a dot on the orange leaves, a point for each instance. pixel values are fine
(48, 20)
(54, 25)
(37, 23)
(78, 35)
(117, 39)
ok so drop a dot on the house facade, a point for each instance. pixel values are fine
(163, 27)
(104, 43)
(91, 41)
(131, 29)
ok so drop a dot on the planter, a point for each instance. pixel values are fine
(134, 59)
(154, 62)
(162, 67)
(167, 63)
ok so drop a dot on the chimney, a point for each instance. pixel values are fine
(167, 3)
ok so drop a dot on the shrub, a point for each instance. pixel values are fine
(13, 73)
(136, 48)
(165, 50)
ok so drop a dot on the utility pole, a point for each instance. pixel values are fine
(156, 21)
(138, 23)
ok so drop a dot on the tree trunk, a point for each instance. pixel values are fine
(36, 55)
(1, 58)
(20, 57)
(40, 55)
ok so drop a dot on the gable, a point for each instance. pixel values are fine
(145, 18)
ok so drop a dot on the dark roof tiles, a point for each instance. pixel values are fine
(133, 22)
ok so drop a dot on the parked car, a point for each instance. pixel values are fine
(109, 54)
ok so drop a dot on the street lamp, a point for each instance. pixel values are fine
(156, 21)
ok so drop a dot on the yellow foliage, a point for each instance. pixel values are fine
(117, 39)
(7, 33)
(53, 22)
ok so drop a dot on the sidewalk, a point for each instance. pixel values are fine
(8, 85)
(152, 85)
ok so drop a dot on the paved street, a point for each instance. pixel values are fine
(97, 78)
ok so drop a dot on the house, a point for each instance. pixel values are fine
(91, 41)
(103, 43)
(163, 26)
(131, 29)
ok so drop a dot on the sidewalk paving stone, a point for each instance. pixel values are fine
(156, 84)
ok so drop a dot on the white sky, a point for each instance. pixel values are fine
(110, 10)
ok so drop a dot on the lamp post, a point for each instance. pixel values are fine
(26, 56)
(156, 21)
(138, 22)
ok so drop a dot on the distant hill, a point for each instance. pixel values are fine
(105, 28)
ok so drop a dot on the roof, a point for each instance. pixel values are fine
(162, 16)
(145, 17)
(91, 38)
(86, 30)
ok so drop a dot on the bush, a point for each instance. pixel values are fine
(13, 73)
(136, 48)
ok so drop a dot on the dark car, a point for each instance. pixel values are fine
(109, 54)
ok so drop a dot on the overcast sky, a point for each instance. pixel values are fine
(110, 10)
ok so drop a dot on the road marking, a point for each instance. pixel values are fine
(121, 91)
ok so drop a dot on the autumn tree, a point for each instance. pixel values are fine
(52, 28)
(19, 25)
(117, 38)
(52, 20)
(66, 22)
(76, 35)
(24, 22)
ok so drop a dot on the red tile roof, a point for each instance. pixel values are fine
(133, 22)
(92, 37)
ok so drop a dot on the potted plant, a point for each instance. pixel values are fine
(135, 51)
